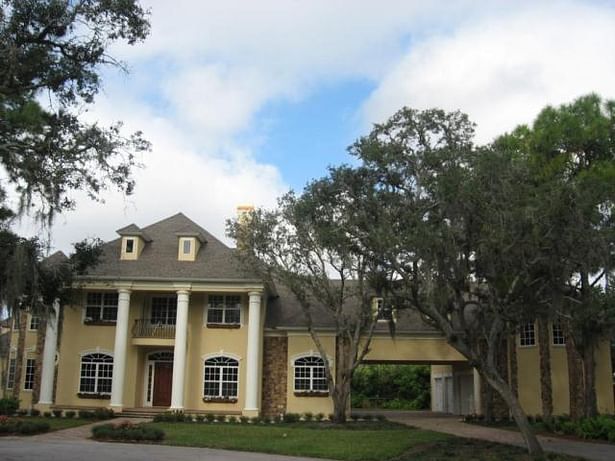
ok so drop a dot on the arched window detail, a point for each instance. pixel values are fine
(221, 378)
(310, 375)
(96, 374)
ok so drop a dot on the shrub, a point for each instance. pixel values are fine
(278, 419)
(381, 418)
(35, 412)
(172, 417)
(47, 414)
(355, 416)
(244, 419)
(8, 406)
(291, 417)
(265, 420)
(70, 414)
(308, 416)
(319, 416)
(127, 431)
(331, 416)
(57, 413)
(210, 417)
(23, 427)
(103, 413)
(232, 419)
(200, 418)
(22, 412)
(368, 417)
(86, 414)
(255, 420)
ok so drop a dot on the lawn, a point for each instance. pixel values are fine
(352, 442)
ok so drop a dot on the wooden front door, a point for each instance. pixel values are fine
(163, 378)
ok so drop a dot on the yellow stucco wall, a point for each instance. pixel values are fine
(301, 344)
(528, 376)
(412, 349)
(25, 396)
(604, 378)
(559, 380)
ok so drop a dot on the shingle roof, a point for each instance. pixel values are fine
(158, 261)
(285, 312)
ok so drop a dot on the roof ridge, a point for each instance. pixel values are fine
(208, 235)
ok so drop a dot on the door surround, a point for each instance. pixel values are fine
(151, 358)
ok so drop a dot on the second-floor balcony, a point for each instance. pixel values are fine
(151, 328)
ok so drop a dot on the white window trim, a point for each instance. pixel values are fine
(151, 363)
(30, 322)
(223, 355)
(206, 310)
(521, 331)
(8, 372)
(25, 374)
(85, 319)
(302, 356)
(553, 343)
(97, 350)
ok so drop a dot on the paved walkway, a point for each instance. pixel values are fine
(453, 425)
(73, 445)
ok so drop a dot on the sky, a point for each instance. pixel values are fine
(243, 101)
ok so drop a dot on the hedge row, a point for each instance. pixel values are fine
(127, 432)
(181, 417)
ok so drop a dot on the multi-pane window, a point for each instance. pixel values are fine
(28, 382)
(10, 379)
(164, 310)
(35, 321)
(224, 309)
(96, 374)
(558, 334)
(221, 378)
(101, 307)
(310, 375)
(527, 334)
(130, 245)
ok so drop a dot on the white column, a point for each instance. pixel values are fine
(119, 350)
(253, 354)
(179, 354)
(49, 355)
(477, 394)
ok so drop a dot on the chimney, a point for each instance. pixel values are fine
(243, 220)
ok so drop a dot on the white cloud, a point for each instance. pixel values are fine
(503, 70)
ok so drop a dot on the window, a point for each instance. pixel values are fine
(35, 321)
(130, 246)
(384, 312)
(164, 310)
(187, 245)
(10, 379)
(96, 374)
(310, 375)
(527, 335)
(221, 377)
(224, 310)
(101, 307)
(558, 337)
(28, 383)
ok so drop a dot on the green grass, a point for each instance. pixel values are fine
(55, 424)
(352, 442)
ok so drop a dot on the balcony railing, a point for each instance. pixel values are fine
(146, 328)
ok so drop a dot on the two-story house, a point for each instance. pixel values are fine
(169, 319)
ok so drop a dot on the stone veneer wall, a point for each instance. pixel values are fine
(275, 375)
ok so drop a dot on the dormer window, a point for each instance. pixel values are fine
(189, 244)
(133, 242)
(383, 312)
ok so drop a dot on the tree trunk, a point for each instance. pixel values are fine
(546, 389)
(589, 373)
(575, 375)
(340, 399)
(533, 446)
